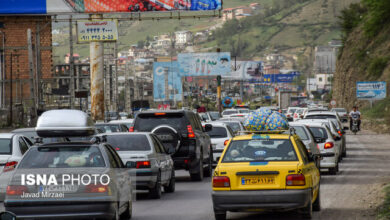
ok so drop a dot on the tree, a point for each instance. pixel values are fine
(141, 44)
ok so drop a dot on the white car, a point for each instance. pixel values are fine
(326, 144)
(229, 112)
(128, 122)
(219, 135)
(239, 117)
(12, 148)
(336, 136)
(234, 124)
(290, 112)
(299, 113)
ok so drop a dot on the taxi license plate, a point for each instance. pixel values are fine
(257, 180)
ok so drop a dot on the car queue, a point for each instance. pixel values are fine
(171, 140)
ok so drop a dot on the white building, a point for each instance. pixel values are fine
(183, 37)
(324, 81)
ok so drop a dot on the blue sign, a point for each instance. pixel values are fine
(23, 7)
(166, 72)
(227, 102)
(370, 90)
(204, 64)
(278, 78)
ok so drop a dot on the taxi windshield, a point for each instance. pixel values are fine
(260, 150)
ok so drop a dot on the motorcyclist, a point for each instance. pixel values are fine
(354, 114)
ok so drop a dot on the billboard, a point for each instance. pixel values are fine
(246, 70)
(204, 64)
(166, 80)
(370, 90)
(102, 30)
(277, 78)
(104, 6)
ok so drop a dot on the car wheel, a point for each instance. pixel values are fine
(317, 202)
(208, 171)
(307, 212)
(198, 176)
(334, 170)
(128, 213)
(170, 188)
(155, 193)
(220, 215)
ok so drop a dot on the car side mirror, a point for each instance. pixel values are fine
(7, 216)
(327, 154)
(208, 127)
(337, 138)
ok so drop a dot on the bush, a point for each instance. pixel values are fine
(376, 67)
(378, 16)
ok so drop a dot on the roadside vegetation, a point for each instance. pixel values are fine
(384, 212)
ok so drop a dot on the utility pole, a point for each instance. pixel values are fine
(71, 64)
(97, 76)
(115, 81)
(38, 84)
(219, 101)
(10, 88)
(31, 70)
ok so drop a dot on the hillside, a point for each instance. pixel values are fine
(365, 55)
(292, 26)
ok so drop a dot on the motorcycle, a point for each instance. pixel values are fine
(355, 127)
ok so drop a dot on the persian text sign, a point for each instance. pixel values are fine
(371, 90)
(54, 7)
(102, 30)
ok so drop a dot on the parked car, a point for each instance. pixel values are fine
(112, 127)
(107, 197)
(343, 114)
(269, 171)
(220, 135)
(147, 159)
(183, 137)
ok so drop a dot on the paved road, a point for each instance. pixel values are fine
(352, 194)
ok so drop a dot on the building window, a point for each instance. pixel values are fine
(320, 79)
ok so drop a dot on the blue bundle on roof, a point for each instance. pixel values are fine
(264, 119)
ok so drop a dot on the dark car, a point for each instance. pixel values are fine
(183, 136)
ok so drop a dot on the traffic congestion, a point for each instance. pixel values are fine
(259, 160)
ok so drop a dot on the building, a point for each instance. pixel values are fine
(325, 59)
(324, 81)
(228, 14)
(183, 37)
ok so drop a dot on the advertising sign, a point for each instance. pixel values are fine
(104, 6)
(278, 78)
(166, 80)
(246, 70)
(371, 90)
(102, 30)
(204, 64)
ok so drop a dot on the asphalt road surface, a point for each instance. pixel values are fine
(354, 193)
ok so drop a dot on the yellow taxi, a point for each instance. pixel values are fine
(266, 172)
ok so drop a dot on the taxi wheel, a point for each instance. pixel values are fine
(317, 202)
(155, 193)
(307, 212)
(220, 215)
(170, 188)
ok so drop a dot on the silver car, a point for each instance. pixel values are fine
(147, 159)
(235, 125)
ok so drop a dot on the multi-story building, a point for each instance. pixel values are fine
(183, 37)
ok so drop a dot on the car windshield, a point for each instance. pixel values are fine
(147, 122)
(320, 116)
(260, 150)
(5, 146)
(126, 142)
(301, 132)
(214, 115)
(63, 157)
(230, 112)
(319, 132)
(217, 132)
(235, 126)
(108, 128)
(292, 110)
(204, 116)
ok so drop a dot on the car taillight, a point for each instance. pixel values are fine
(10, 166)
(226, 142)
(143, 164)
(221, 181)
(328, 145)
(295, 115)
(341, 134)
(131, 129)
(190, 131)
(98, 188)
(295, 180)
(16, 190)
